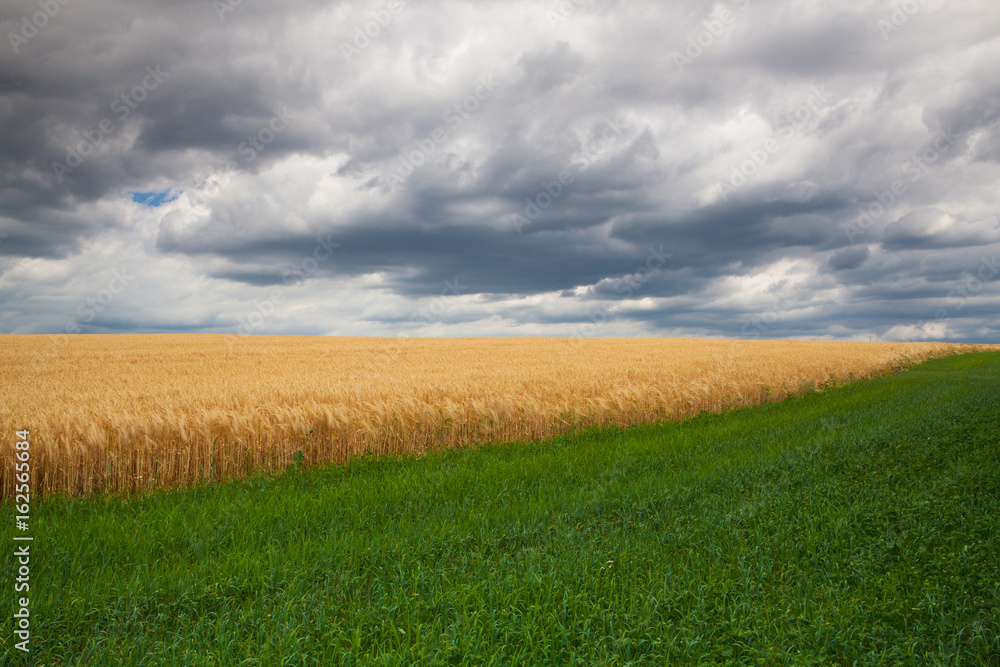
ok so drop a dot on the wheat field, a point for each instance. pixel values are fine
(124, 413)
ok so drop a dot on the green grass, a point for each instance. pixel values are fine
(854, 526)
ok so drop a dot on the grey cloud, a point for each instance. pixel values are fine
(597, 95)
(849, 258)
(931, 228)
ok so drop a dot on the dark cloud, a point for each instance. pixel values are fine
(453, 167)
(932, 228)
(849, 258)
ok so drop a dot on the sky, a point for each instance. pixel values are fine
(750, 169)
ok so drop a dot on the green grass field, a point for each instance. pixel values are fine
(860, 525)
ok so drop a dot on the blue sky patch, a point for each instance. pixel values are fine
(154, 198)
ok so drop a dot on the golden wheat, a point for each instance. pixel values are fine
(122, 413)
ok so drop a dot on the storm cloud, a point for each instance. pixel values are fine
(750, 168)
